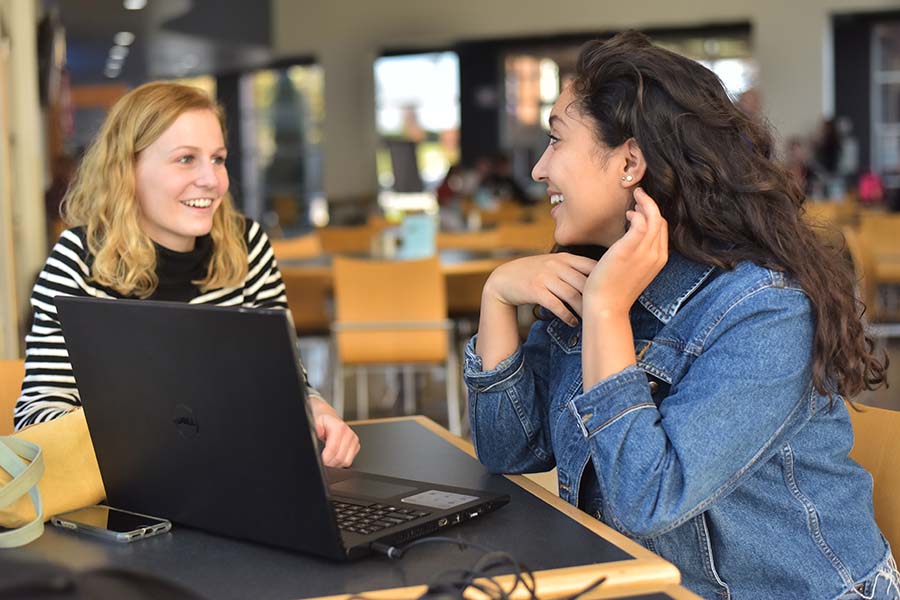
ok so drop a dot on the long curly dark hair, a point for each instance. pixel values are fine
(711, 169)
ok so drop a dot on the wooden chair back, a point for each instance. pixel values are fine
(308, 294)
(534, 237)
(346, 240)
(390, 312)
(876, 434)
(11, 374)
(468, 240)
(304, 246)
(864, 266)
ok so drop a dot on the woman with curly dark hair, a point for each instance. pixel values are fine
(687, 376)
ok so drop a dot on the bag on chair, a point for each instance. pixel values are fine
(24, 481)
(61, 450)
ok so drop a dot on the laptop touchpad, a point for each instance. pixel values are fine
(361, 486)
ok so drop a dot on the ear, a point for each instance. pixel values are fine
(633, 165)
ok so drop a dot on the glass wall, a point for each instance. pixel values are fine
(283, 112)
(886, 103)
(417, 117)
(534, 76)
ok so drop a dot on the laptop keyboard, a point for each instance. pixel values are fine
(369, 518)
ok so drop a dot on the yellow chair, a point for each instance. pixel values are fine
(506, 211)
(308, 294)
(864, 266)
(881, 231)
(346, 240)
(876, 434)
(529, 237)
(466, 240)
(304, 246)
(11, 374)
(392, 313)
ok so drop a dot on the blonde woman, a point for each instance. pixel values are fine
(151, 218)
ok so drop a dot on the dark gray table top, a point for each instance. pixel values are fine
(536, 533)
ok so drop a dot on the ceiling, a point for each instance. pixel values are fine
(173, 38)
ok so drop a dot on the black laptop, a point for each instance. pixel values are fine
(198, 414)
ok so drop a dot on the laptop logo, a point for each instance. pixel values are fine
(186, 422)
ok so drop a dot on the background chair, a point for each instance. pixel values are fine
(304, 246)
(861, 253)
(392, 313)
(876, 445)
(346, 240)
(536, 236)
(11, 374)
(468, 240)
(880, 230)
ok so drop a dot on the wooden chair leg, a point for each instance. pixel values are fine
(409, 390)
(453, 416)
(362, 393)
(337, 399)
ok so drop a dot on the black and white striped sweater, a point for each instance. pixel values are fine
(49, 390)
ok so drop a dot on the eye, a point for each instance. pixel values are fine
(186, 159)
(218, 160)
(553, 139)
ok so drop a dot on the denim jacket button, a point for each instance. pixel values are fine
(653, 387)
(573, 341)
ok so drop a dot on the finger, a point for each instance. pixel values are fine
(638, 226)
(568, 294)
(329, 453)
(575, 278)
(644, 201)
(320, 428)
(581, 264)
(348, 438)
(351, 452)
(555, 306)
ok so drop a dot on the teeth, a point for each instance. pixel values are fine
(198, 202)
(557, 199)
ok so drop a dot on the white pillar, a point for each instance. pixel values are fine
(28, 159)
(22, 219)
(349, 120)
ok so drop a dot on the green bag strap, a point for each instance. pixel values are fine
(25, 479)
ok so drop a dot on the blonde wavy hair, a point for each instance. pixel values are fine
(102, 195)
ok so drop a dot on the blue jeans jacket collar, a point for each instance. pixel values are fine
(673, 285)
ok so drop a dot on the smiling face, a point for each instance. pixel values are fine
(584, 179)
(180, 180)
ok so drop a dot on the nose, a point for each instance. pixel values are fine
(539, 172)
(206, 175)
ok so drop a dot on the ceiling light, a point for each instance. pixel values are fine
(123, 38)
(134, 4)
(111, 72)
(118, 52)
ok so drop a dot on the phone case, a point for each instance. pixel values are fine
(162, 526)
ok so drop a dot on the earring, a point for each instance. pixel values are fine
(628, 178)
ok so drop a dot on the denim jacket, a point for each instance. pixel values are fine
(714, 451)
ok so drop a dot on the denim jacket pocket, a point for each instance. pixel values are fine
(654, 361)
(567, 339)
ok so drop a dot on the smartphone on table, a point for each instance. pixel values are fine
(112, 523)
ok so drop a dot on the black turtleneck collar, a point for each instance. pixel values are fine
(176, 270)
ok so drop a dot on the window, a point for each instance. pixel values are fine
(283, 111)
(534, 76)
(886, 103)
(417, 106)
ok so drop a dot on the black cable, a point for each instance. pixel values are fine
(452, 584)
